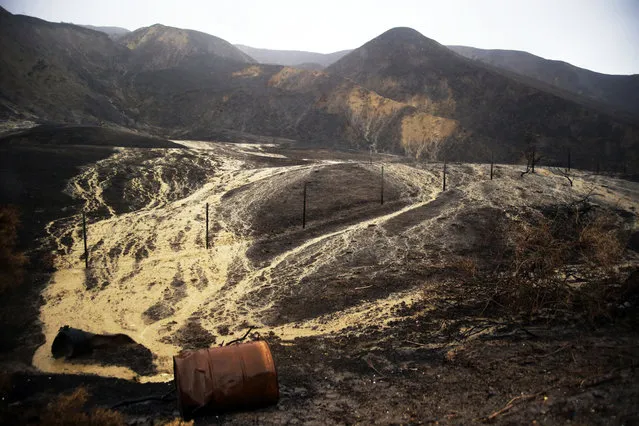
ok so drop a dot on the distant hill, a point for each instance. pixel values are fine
(58, 72)
(618, 91)
(113, 32)
(86, 136)
(65, 73)
(294, 58)
(311, 66)
(160, 47)
(401, 92)
(480, 110)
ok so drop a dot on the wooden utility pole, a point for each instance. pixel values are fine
(304, 208)
(444, 175)
(382, 188)
(206, 244)
(84, 236)
(492, 162)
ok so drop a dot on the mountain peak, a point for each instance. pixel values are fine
(159, 46)
(405, 35)
(404, 32)
(394, 49)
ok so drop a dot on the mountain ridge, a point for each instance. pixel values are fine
(159, 46)
(400, 92)
(58, 72)
(291, 57)
(487, 106)
(604, 97)
(113, 32)
(614, 90)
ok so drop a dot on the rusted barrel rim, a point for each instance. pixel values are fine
(247, 378)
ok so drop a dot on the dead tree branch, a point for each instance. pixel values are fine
(241, 338)
(512, 403)
(563, 173)
(370, 364)
(532, 159)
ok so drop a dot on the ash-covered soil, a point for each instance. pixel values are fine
(369, 310)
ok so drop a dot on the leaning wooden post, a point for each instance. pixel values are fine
(382, 188)
(532, 160)
(84, 235)
(304, 208)
(207, 226)
(492, 162)
(444, 175)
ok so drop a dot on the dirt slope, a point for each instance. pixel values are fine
(355, 264)
(372, 311)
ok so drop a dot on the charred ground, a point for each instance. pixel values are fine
(374, 313)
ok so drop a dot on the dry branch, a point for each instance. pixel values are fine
(241, 338)
(370, 364)
(512, 403)
(362, 288)
(563, 173)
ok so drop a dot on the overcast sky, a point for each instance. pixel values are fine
(601, 35)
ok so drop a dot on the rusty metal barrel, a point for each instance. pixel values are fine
(71, 342)
(225, 378)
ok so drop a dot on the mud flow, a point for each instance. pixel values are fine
(355, 264)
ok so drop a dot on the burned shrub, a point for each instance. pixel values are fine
(191, 336)
(564, 259)
(69, 410)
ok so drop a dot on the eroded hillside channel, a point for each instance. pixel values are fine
(358, 264)
(151, 277)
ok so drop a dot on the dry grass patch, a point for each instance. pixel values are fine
(567, 261)
(178, 422)
(68, 410)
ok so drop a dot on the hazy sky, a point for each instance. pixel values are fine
(601, 35)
